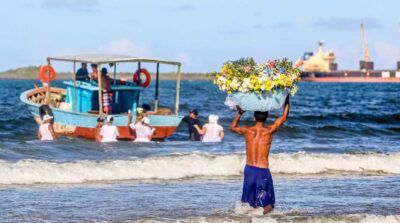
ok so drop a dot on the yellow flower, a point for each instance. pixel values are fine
(268, 85)
(225, 69)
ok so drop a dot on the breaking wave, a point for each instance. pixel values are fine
(190, 165)
(277, 218)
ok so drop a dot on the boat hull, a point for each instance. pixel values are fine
(351, 76)
(352, 79)
(83, 124)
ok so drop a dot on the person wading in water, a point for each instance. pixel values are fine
(258, 188)
(193, 120)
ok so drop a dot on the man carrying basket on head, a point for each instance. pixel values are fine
(258, 188)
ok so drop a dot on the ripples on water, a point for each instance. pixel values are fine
(338, 154)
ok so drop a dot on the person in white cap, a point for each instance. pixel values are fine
(212, 132)
(109, 132)
(142, 130)
(46, 131)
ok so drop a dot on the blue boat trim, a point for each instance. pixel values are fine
(90, 120)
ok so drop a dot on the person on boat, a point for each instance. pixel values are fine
(147, 109)
(109, 132)
(107, 93)
(191, 121)
(46, 131)
(142, 112)
(82, 74)
(258, 188)
(142, 130)
(212, 132)
(95, 72)
(99, 125)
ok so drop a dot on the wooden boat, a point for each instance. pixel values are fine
(77, 107)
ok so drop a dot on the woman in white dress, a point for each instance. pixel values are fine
(212, 131)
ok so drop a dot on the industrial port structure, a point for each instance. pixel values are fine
(321, 67)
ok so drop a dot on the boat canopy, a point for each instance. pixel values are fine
(108, 58)
(96, 58)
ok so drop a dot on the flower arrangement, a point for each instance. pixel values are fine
(245, 75)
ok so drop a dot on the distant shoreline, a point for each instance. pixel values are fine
(163, 77)
(31, 73)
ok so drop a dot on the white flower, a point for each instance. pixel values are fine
(294, 90)
(222, 79)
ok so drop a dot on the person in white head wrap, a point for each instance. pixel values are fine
(109, 132)
(212, 131)
(142, 130)
(46, 130)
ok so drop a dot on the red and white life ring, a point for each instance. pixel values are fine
(44, 74)
(136, 77)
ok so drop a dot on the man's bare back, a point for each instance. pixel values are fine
(258, 137)
(258, 189)
(258, 143)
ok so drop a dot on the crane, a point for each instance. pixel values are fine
(364, 44)
(365, 64)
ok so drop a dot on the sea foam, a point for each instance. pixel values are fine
(190, 165)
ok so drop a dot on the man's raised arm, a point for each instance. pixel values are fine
(279, 121)
(234, 125)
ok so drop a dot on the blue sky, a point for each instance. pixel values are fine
(201, 34)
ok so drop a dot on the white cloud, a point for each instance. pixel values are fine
(183, 57)
(76, 5)
(182, 8)
(384, 55)
(347, 57)
(347, 23)
(125, 46)
(387, 55)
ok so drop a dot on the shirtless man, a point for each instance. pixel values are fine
(258, 188)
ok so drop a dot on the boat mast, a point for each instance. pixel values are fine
(156, 93)
(178, 88)
(48, 83)
(73, 73)
(115, 73)
(100, 90)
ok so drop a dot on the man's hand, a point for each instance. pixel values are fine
(234, 125)
(129, 118)
(240, 110)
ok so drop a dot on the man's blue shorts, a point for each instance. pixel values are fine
(258, 187)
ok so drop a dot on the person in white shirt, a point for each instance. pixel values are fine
(109, 132)
(46, 130)
(100, 124)
(142, 130)
(212, 132)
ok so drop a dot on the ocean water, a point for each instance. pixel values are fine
(337, 159)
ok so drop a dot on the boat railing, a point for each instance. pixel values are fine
(100, 60)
